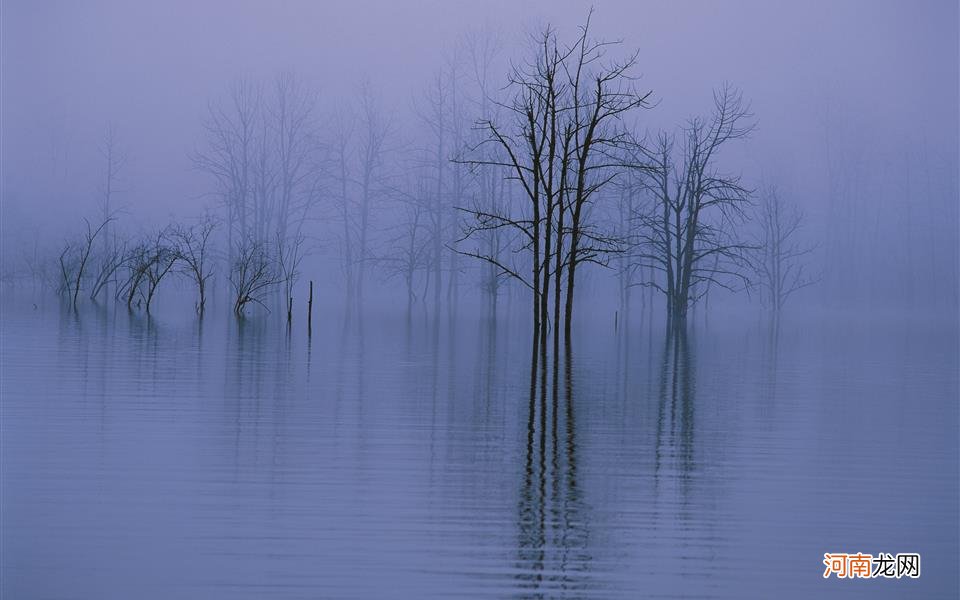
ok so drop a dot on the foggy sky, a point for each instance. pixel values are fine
(885, 72)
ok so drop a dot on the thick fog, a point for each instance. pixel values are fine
(855, 106)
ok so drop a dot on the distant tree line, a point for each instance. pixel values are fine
(520, 185)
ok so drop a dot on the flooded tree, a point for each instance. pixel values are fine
(344, 125)
(162, 258)
(263, 150)
(252, 274)
(193, 247)
(556, 143)
(75, 258)
(114, 159)
(690, 231)
(109, 262)
(489, 189)
(408, 251)
(780, 251)
(138, 260)
(375, 129)
(289, 254)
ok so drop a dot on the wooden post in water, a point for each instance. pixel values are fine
(310, 310)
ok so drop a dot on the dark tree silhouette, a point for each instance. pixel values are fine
(192, 245)
(689, 231)
(558, 145)
(252, 274)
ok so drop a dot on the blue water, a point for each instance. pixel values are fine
(395, 457)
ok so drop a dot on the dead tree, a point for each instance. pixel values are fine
(344, 126)
(234, 132)
(410, 248)
(490, 189)
(289, 255)
(780, 251)
(75, 258)
(108, 263)
(252, 274)
(68, 267)
(192, 245)
(689, 231)
(433, 115)
(163, 257)
(557, 144)
(138, 261)
(375, 129)
(114, 160)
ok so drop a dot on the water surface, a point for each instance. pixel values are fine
(387, 457)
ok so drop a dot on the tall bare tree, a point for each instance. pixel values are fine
(114, 160)
(689, 232)
(289, 255)
(409, 249)
(558, 145)
(344, 125)
(233, 132)
(375, 129)
(780, 251)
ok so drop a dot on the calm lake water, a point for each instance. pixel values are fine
(395, 458)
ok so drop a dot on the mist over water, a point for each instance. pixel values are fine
(434, 300)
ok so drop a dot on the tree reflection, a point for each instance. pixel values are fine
(676, 409)
(553, 557)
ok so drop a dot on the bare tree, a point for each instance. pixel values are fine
(252, 274)
(780, 251)
(68, 267)
(489, 187)
(689, 230)
(109, 263)
(233, 134)
(408, 251)
(558, 146)
(289, 255)
(138, 261)
(433, 114)
(375, 129)
(295, 144)
(75, 258)
(163, 257)
(114, 160)
(344, 126)
(192, 245)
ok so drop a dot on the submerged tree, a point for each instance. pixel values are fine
(375, 129)
(289, 255)
(192, 245)
(108, 264)
(162, 258)
(252, 274)
(780, 251)
(408, 250)
(75, 258)
(558, 145)
(262, 149)
(689, 232)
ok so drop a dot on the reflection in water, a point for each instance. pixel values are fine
(388, 458)
(553, 558)
(676, 407)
